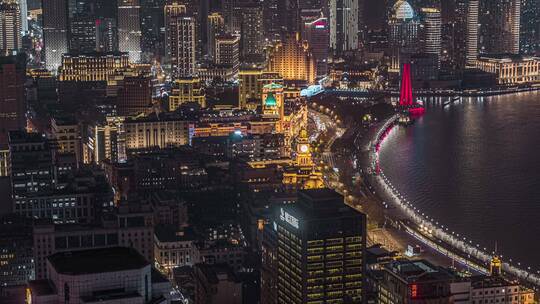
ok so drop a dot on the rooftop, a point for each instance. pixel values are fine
(97, 261)
(417, 271)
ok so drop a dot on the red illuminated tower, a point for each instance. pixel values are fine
(406, 100)
(405, 97)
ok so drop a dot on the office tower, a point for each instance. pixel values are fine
(431, 31)
(55, 32)
(216, 26)
(293, 60)
(467, 27)
(92, 67)
(10, 28)
(134, 96)
(530, 26)
(182, 41)
(343, 25)
(171, 11)
(321, 245)
(252, 32)
(129, 28)
(403, 34)
(12, 97)
(106, 35)
(23, 8)
(82, 36)
(152, 21)
(227, 51)
(273, 16)
(499, 29)
(317, 33)
(32, 167)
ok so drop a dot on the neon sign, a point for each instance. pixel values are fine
(291, 220)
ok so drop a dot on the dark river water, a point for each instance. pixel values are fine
(474, 167)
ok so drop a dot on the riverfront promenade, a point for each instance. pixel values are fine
(428, 230)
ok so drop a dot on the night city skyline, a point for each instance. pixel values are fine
(269, 151)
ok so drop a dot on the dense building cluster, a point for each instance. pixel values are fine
(160, 151)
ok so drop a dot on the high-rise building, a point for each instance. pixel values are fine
(32, 167)
(216, 26)
(156, 130)
(320, 249)
(55, 32)
(171, 10)
(499, 29)
(530, 27)
(129, 28)
(273, 16)
(82, 34)
(182, 41)
(152, 21)
(343, 25)
(431, 31)
(251, 81)
(467, 27)
(293, 60)
(252, 31)
(317, 34)
(227, 51)
(106, 35)
(404, 36)
(10, 28)
(12, 97)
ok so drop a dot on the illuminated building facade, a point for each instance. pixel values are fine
(171, 11)
(320, 250)
(129, 29)
(403, 34)
(499, 30)
(163, 130)
(216, 27)
(293, 60)
(511, 69)
(251, 81)
(317, 34)
(431, 32)
(303, 174)
(106, 38)
(187, 89)
(67, 135)
(227, 51)
(55, 32)
(92, 66)
(344, 25)
(82, 34)
(465, 36)
(183, 43)
(252, 30)
(10, 28)
(529, 37)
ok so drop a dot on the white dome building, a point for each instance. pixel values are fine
(403, 10)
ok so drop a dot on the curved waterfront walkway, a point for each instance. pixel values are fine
(428, 230)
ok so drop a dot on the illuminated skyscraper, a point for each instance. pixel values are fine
(343, 25)
(227, 51)
(55, 32)
(431, 31)
(129, 28)
(82, 34)
(320, 250)
(530, 26)
(252, 31)
(182, 42)
(499, 30)
(171, 11)
(10, 28)
(465, 34)
(293, 60)
(216, 26)
(317, 33)
(404, 36)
